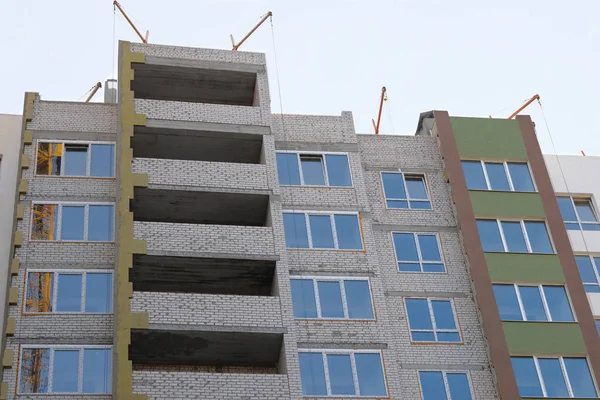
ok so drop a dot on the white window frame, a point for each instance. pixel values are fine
(55, 273)
(595, 267)
(340, 280)
(508, 176)
(408, 198)
(445, 380)
(323, 165)
(52, 348)
(523, 230)
(579, 221)
(333, 228)
(351, 353)
(544, 301)
(86, 213)
(88, 159)
(434, 329)
(420, 261)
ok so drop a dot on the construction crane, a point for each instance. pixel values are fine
(263, 19)
(143, 39)
(94, 90)
(383, 98)
(527, 103)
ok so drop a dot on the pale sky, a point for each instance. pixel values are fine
(469, 57)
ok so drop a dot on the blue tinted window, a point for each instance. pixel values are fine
(303, 298)
(103, 160)
(538, 237)
(75, 159)
(432, 385)
(312, 374)
(598, 326)
(65, 378)
(288, 171)
(330, 298)
(340, 374)
(98, 292)
(69, 293)
(497, 176)
(321, 232)
(338, 171)
(520, 177)
(566, 209)
(416, 187)
(371, 381)
(508, 305)
(72, 222)
(474, 175)
(295, 230)
(526, 376)
(580, 378)
(312, 170)
(558, 303)
(100, 223)
(429, 248)
(553, 378)
(443, 314)
(458, 384)
(358, 298)
(97, 370)
(348, 232)
(34, 363)
(418, 314)
(489, 234)
(587, 272)
(393, 186)
(532, 303)
(584, 210)
(513, 235)
(406, 247)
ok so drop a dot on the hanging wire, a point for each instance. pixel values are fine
(92, 88)
(389, 112)
(114, 44)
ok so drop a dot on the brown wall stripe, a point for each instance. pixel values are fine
(492, 325)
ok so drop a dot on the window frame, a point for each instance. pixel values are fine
(407, 199)
(351, 353)
(544, 302)
(52, 348)
(323, 155)
(523, 230)
(55, 273)
(86, 215)
(579, 222)
(432, 320)
(331, 214)
(595, 268)
(419, 254)
(445, 380)
(507, 172)
(88, 159)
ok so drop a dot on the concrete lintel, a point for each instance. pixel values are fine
(139, 320)
(388, 168)
(346, 345)
(24, 160)
(261, 257)
(13, 296)
(14, 266)
(213, 328)
(348, 271)
(395, 293)
(27, 137)
(139, 180)
(442, 366)
(208, 126)
(20, 211)
(18, 239)
(138, 247)
(312, 146)
(7, 359)
(412, 228)
(11, 325)
(23, 186)
(205, 64)
(213, 189)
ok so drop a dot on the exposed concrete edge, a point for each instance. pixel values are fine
(20, 211)
(7, 359)
(24, 161)
(3, 390)
(139, 320)
(311, 146)
(139, 397)
(441, 366)
(454, 295)
(218, 328)
(208, 126)
(27, 137)
(412, 228)
(14, 266)
(206, 64)
(211, 189)
(11, 324)
(23, 186)
(345, 346)
(261, 257)
(13, 296)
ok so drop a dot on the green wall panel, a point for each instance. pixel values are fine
(506, 204)
(524, 267)
(544, 338)
(488, 138)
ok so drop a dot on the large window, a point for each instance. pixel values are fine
(588, 270)
(533, 303)
(313, 169)
(432, 320)
(405, 191)
(578, 213)
(445, 385)
(514, 236)
(318, 230)
(87, 222)
(95, 159)
(504, 176)
(68, 291)
(331, 298)
(418, 252)
(342, 373)
(65, 369)
(561, 377)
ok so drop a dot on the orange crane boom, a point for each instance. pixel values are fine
(98, 86)
(383, 98)
(531, 100)
(237, 46)
(144, 39)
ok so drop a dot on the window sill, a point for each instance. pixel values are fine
(438, 343)
(516, 252)
(334, 250)
(345, 396)
(316, 186)
(411, 209)
(541, 322)
(334, 320)
(500, 191)
(422, 272)
(104, 178)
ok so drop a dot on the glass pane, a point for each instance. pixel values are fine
(432, 385)
(103, 160)
(598, 326)
(474, 175)
(592, 288)
(288, 171)
(330, 299)
(370, 374)
(434, 268)
(459, 386)
(358, 299)
(418, 314)
(48, 159)
(532, 303)
(489, 234)
(527, 377)
(97, 369)
(443, 314)
(538, 237)
(397, 203)
(338, 171)
(39, 292)
(321, 232)
(65, 377)
(579, 376)
(44, 224)
(520, 176)
(69, 293)
(409, 267)
(419, 336)
(573, 226)
(340, 374)
(497, 176)
(72, 223)
(393, 185)
(348, 232)
(34, 369)
(590, 227)
(429, 248)
(303, 298)
(585, 211)
(100, 223)
(553, 377)
(416, 187)
(295, 231)
(448, 337)
(406, 248)
(312, 374)
(98, 292)
(566, 209)
(558, 303)
(508, 305)
(75, 159)
(312, 170)
(513, 235)
(586, 269)
(420, 205)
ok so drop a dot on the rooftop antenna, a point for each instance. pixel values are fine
(383, 98)
(263, 19)
(94, 90)
(143, 39)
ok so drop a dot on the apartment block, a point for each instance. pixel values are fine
(180, 241)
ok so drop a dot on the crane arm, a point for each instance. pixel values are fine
(376, 125)
(144, 39)
(531, 100)
(94, 90)
(237, 46)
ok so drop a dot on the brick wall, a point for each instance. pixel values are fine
(73, 116)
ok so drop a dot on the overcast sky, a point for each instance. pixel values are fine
(470, 57)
